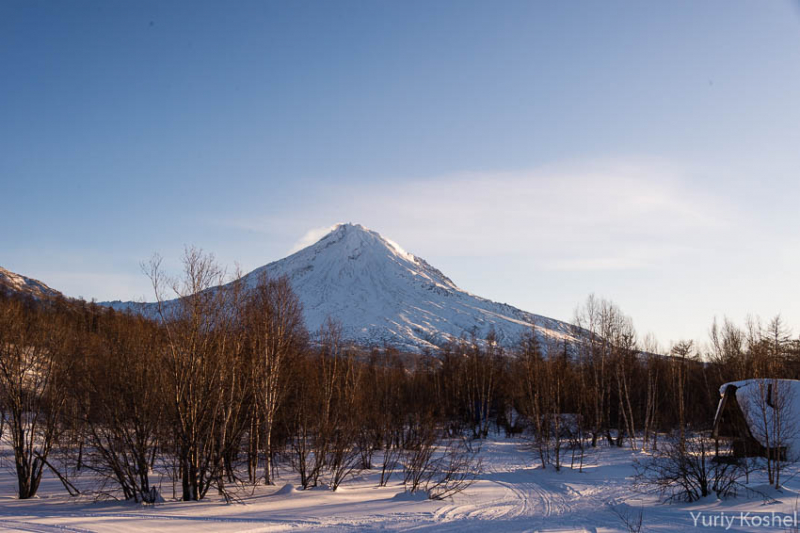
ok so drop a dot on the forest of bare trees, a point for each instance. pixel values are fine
(223, 385)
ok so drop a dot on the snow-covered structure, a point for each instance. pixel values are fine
(760, 415)
(381, 294)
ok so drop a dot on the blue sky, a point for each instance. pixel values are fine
(535, 152)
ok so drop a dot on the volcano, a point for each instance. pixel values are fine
(383, 295)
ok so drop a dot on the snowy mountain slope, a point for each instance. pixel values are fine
(18, 284)
(383, 294)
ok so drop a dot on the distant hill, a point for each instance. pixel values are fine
(24, 286)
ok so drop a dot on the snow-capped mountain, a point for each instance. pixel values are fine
(18, 284)
(383, 294)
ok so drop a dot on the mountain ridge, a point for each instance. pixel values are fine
(14, 283)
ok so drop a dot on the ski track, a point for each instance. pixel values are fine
(22, 525)
(26, 524)
(532, 501)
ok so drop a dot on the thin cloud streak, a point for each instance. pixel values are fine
(608, 215)
(310, 237)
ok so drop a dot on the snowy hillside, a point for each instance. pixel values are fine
(16, 283)
(381, 293)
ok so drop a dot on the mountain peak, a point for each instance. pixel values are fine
(344, 226)
(356, 236)
(353, 230)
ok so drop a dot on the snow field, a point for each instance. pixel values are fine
(512, 494)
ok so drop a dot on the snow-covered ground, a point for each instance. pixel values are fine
(512, 494)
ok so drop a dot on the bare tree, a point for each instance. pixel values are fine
(685, 469)
(276, 335)
(197, 328)
(651, 395)
(440, 473)
(456, 470)
(534, 395)
(417, 460)
(35, 356)
(122, 410)
(680, 352)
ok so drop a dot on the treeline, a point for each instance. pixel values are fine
(222, 384)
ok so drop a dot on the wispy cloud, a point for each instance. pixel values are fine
(601, 215)
(310, 237)
(607, 215)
